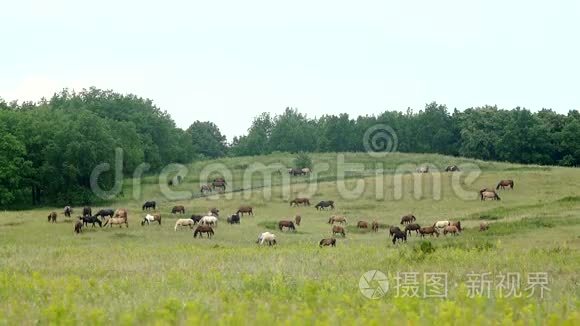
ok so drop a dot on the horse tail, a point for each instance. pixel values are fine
(497, 197)
(512, 184)
(499, 184)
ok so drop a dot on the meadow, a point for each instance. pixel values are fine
(154, 275)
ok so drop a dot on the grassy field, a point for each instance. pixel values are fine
(153, 275)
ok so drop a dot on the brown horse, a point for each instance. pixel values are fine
(450, 229)
(412, 227)
(489, 195)
(336, 218)
(362, 225)
(393, 230)
(298, 219)
(121, 213)
(505, 183)
(245, 210)
(178, 209)
(457, 224)
(52, 217)
(205, 188)
(221, 184)
(116, 221)
(78, 227)
(399, 235)
(68, 211)
(300, 201)
(375, 226)
(327, 242)
(430, 230)
(286, 224)
(338, 229)
(408, 219)
(203, 229)
(483, 226)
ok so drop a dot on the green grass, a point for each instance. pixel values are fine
(154, 275)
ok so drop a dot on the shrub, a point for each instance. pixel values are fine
(302, 160)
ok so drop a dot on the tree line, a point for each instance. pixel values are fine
(49, 148)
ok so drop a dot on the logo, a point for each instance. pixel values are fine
(380, 140)
(373, 284)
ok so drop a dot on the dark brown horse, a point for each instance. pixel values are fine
(203, 229)
(52, 217)
(408, 219)
(457, 224)
(450, 229)
(375, 226)
(87, 211)
(178, 209)
(78, 227)
(338, 229)
(221, 184)
(286, 224)
(298, 219)
(327, 242)
(394, 229)
(400, 235)
(412, 227)
(430, 230)
(245, 210)
(300, 201)
(68, 211)
(362, 225)
(505, 183)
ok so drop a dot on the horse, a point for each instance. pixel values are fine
(209, 220)
(431, 230)
(78, 227)
(105, 212)
(52, 217)
(336, 218)
(149, 204)
(327, 242)
(295, 172)
(298, 219)
(399, 235)
(286, 224)
(306, 171)
(201, 229)
(362, 225)
(218, 184)
(151, 218)
(450, 229)
(338, 229)
(441, 224)
(121, 213)
(67, 211)
(266, 237)
(394, 229)
(87, 211)
(90, 219)
(505, 183)
(220, 179)
(298, 201)
(457, 224)
(423, 169)
(408, 219)
(196, 218)
(483, 226)
(234, 219)
(375, 226)
(116, 221)
(452, 168)
(184, 222)
(214, 211)
(489, 195)
(205, 188)
(245, 210)
(178, 209)
(412, 227)
(324, 204)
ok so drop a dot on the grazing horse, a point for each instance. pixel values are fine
(452, 168)
(394, 229)
(196, 218)
(431, 230)
(151, 218)
(423, 169)
(324, 204)
(505, 183)
(116, 221)
(399, 235)
(375, 226)
(298, 219)
(441, 224)
(52, 217)
(245, 210)
(121, 213)
(337, 218)
(327, 242)
(205, 188)
(412, 227)
(306, 171)
(67, 211)
(300, 201)
(483, 226)
(105, 212)
(489, 195)
(90, 219)
(457, 224)
(362, 225)
(218, 184)
(234, 219)
(266, 237)
(286, 224)
(209, 220)
(295, 172)
(450, 229)
(214, 211)
(184, 222)
(178, 209)
(149, 204)
(201, 229)
(78, 227)
(408, 219)
(87, 211)
(338, 229)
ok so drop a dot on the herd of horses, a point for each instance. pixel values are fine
(207, 222)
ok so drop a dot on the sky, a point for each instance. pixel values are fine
(228, 61)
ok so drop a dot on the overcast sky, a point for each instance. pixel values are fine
(227, 61)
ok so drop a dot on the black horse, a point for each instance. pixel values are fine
(149, 204)
(234, 219)
(87, 211)
(90, 219)
(196, 218)
(325, 204)
(106, 212)
(398, 234)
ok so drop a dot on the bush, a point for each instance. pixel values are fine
(302, 160)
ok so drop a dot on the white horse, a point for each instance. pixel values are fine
(441, 224)
(209, 220)
(184, 222)
(151, 218)
(423, 169)
(267, 237)
(306, 171)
